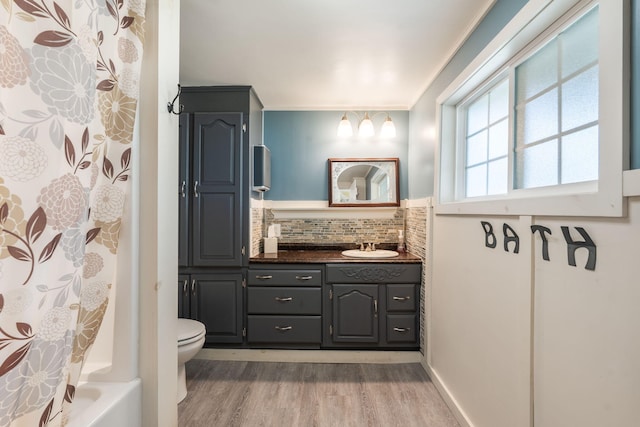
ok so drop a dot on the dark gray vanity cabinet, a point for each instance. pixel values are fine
(184, 198)
(184, 296)
(284, 307)
(216, 301)
(218, 126)
(371, 305)
(212, 225)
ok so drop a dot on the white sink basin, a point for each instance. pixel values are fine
(380, 253)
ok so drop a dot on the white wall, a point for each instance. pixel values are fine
(498, 317)
(479, 321)
(159, 215)
(587, 327)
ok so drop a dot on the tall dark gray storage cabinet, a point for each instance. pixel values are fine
(218, 126)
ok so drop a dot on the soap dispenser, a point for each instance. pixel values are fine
(401, 248)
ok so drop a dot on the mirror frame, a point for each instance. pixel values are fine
(393, 165)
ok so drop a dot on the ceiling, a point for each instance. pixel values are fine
(324, 54)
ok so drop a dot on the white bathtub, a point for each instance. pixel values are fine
(104, 404)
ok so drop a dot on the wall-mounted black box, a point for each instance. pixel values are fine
(261, 168)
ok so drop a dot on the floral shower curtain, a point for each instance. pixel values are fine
(69, 83)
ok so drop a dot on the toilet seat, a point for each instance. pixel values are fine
(189, 331)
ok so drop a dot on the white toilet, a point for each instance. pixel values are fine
(191, 334)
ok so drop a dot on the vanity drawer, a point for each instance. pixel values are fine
(285, 277)
(284, 329)
(401, 328)
(401, 297)
(284, 300)
(373, 273)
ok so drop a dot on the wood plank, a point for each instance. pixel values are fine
(236, 393)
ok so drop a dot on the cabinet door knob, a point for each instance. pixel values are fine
(304, 277)
(267, 277)
(402, 298)
(403, 330)
(284, 299)
(283, 328)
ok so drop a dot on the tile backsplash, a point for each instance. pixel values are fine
(416, 224)
(257, 230)
(337, 231)
(416, 230)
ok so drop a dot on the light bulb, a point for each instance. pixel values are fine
(344, 128)
(365, 129)
(388, 129)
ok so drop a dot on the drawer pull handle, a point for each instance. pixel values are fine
(304, 277)
(403, 330)
(284, 328)
(283, 299)
(267, 277)
(407, 298)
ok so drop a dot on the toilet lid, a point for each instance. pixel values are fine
(188, 329)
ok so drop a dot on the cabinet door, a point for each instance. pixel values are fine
(184, 291)
(183, 192)
(217, 302)
(218, 221)
(355, 313)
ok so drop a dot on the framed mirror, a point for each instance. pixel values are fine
(364, 182)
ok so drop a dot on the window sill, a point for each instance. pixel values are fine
(583, 200)
(631, 183)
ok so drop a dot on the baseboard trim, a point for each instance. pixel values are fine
(449, 400)
(310, 356)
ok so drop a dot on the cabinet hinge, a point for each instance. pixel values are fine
(244, 127)
(244, 332)
(244, 283)
(331, 330)
(243, 250)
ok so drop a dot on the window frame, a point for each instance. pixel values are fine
(536, 24)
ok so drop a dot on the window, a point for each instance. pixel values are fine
(556, 111)
(525, 129)
(486, 142)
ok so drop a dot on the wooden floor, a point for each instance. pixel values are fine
(231, 393)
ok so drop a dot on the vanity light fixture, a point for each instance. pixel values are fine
(365, 126)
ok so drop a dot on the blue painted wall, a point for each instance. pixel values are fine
(302, 141)
(422, 136)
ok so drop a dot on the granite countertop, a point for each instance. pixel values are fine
(325, 255)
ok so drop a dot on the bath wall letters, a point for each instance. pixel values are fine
(509, 235)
